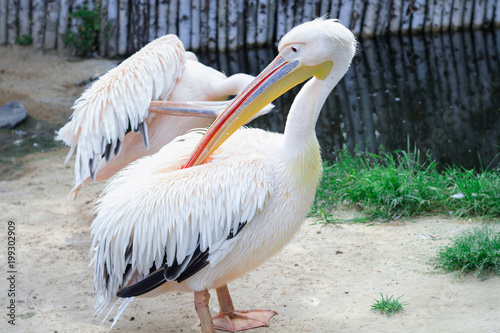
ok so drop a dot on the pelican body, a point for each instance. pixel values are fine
(209, 207)
(113, 115)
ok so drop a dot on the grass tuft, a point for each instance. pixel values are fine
(397, 185)
(477, 249)
(388, 305)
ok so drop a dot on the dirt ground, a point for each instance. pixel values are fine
(325, 280)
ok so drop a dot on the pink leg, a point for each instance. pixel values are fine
(233, 320)
(201, 299)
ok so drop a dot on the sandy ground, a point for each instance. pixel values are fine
(325, 280)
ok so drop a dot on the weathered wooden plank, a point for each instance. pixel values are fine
(123, 11)
(418, 16)
(173, 14)
(383, 18)
(152, 15)
(241, 23)
(478, 14)
(112, 28)
(232, 25)
(395, 14)
(467, 16)
(184, 20)
(447, 11)
(203, 25)
(3, 21)
(271, 21)
(102, 35)
(63, 24)
(222, 25)
(325, 8)
(457, 15)
(228, 24)
(212, 25)
(12, 27)
(334, 9)
(281, 19)
(357, 16)
(50, 38)
(429, 13)
(496, 20)
(437, 16)
(38, 23)
(251, 22)
(24, 17)
(308, 15)
(299, 12)
(370, 18)
(345, 12)
(406, 16)
(489, 16)
(138, 25)
(262, 22)
(290, 12)
(195, 24)
(162, 23)
(76, 5)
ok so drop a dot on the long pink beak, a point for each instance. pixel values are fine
(279, 77)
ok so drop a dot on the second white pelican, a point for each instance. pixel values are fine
(113, 115)
(179, 222)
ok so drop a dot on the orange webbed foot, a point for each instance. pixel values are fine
(240, 320)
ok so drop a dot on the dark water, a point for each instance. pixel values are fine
(440, 94)
(31, 136)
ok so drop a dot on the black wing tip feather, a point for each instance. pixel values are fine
(166, 274)
(177, 272)
(153, 281)
(115, 147)
(197, 262)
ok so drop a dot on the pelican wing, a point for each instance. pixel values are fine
(118, 103)
(177, 219)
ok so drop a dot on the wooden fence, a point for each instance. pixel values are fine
(210, 25)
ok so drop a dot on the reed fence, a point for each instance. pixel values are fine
(218, 25)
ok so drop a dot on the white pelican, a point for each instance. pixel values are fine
(179, 222)
(112, 115)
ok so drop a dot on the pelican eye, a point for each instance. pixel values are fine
(294, 49)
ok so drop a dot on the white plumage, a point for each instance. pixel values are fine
(113, 114)
(174, 211)
(201, 227)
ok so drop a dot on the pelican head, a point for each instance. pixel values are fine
(321, 48)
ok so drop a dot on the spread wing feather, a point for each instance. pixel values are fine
(153, 215)
(118, 102)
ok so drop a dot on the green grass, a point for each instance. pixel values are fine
(84, 40)
(476, 249)
(24, 40)
(388, 305)
(397, 185)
